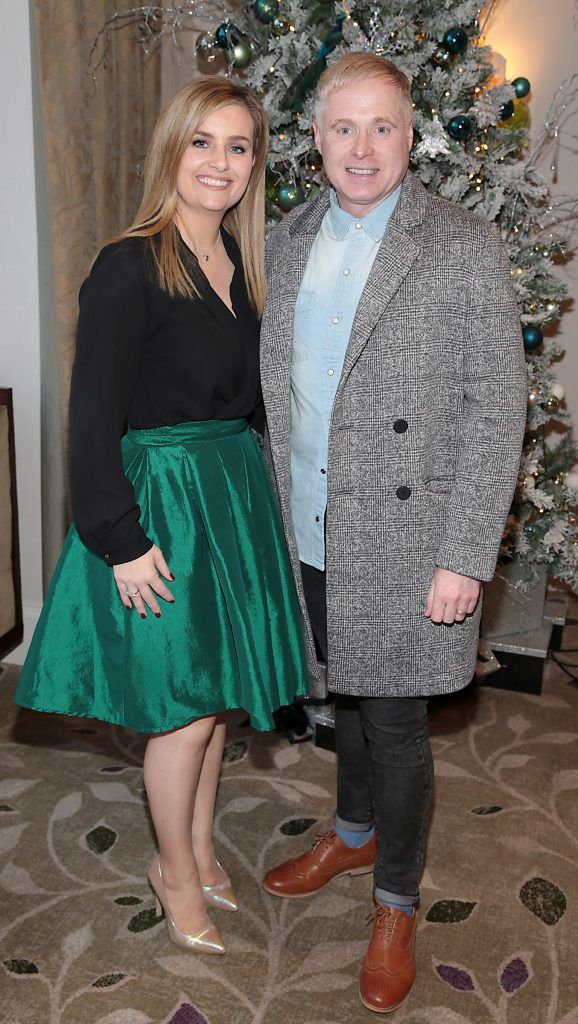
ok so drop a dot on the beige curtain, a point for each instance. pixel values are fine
(90, 147)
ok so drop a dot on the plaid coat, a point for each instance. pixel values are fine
(424, 441)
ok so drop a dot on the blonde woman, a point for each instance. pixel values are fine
(173, 599)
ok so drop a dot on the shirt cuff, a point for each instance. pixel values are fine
(130, 548)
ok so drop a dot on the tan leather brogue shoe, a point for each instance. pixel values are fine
(328, 858)
(388, 971)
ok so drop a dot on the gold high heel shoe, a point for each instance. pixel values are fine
(206, 941)
(221, 895)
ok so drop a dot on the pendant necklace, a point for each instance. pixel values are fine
(203, 255)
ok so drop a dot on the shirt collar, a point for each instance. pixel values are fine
(374, 223)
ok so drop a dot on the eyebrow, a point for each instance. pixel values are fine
(376, 120)
(236, 138)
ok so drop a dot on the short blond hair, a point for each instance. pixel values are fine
(359, 66)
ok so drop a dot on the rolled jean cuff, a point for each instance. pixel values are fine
(384, 896)
(351, 826)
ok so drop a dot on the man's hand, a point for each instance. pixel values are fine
(451, 597)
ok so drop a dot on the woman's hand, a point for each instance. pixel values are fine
(138, 582)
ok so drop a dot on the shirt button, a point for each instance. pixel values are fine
(358, 226)
(330, 373)
(346, 272)
(317, 520)
(334, 319)
(324, 471)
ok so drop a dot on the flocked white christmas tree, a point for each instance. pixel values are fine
(471, 147)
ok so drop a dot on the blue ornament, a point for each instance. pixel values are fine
(455, 40)
(460, 128)
(533, 337)
(507, 110)
(266, 10)
(222, 34)
(522, 87)
(290, 195)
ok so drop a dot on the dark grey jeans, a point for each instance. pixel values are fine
(384, 769)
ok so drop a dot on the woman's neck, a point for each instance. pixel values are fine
(201, 233)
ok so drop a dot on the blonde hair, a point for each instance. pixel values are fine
(360, 66)
(155, 219)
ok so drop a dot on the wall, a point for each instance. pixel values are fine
(539, 41)
(19, 296)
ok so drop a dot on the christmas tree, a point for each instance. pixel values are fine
(471, 146)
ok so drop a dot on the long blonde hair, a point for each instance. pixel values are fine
(155, 219)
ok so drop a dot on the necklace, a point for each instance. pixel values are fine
(202, 255)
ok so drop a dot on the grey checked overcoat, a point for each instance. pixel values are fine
(424, 441)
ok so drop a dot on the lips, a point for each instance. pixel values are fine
(211, 182)
(362, 172)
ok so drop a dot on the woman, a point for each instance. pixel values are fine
(168, 342)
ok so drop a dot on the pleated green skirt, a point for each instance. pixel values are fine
(232, 639)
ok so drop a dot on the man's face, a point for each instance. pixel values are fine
(364, 135)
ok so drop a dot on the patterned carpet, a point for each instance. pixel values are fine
(497, 927)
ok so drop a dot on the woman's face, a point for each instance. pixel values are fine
(216, 166)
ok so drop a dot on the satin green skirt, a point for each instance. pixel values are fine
(232, 639)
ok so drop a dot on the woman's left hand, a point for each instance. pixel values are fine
(139, 581)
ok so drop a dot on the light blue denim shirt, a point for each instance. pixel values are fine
(335, 276)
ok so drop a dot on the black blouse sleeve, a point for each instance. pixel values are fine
(113, 323)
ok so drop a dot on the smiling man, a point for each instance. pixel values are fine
(395, 389)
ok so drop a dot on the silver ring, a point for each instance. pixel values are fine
(458, 612)
(135, 593)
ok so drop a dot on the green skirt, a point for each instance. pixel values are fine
(232, 639)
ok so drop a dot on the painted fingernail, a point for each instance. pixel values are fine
(142, 615)
(157, 615)
(171, 576)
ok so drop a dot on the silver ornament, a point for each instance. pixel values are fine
(241, 54)
(207, 48)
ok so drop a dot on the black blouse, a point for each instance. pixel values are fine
(149, 360)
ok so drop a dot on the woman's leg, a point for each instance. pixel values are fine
(173, 765)
(209, 871)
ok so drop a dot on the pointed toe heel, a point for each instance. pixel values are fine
(220, 896)
(206, 941)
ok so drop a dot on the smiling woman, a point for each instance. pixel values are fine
(177, 514)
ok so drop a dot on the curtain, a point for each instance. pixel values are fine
(92, 141)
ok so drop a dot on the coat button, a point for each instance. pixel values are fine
(403, 493)
(400, 426)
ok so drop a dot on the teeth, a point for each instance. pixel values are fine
(361, 170)
(214, 181)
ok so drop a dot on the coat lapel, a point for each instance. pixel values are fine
(395, 257)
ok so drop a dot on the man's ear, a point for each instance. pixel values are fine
(410, 133)
(317, 137)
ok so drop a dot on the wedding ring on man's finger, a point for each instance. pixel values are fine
(458, 612)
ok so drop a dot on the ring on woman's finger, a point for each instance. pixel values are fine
(134, 594)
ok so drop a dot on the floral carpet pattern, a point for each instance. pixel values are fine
(79, 942)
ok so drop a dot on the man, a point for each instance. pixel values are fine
(395, 390)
